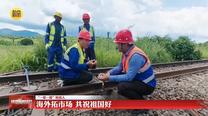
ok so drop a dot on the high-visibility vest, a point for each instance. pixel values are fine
(125, 60)
(52, 34)
(91, 31)
(145, 73)
(66, 57)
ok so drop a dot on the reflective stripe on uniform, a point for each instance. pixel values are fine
(81, 54)
(66, 57)
(50, 65)
(65, 66)
(57, 63)
(52, 33)
(147, 80)
(62, 36)
(145, 68)
(80, 51)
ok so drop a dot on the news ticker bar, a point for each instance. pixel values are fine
(98, 102)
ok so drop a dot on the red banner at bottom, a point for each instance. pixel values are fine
(159, 104)
(121, 104)
(25, 101)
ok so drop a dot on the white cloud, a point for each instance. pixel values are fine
(10, 26)
(189, 21)
(145, 16)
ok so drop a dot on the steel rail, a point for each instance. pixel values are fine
(86, 88)
(38, 76)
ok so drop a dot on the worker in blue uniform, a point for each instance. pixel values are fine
(74, 66)
(90, 52)
(134, 73)
(55, 42)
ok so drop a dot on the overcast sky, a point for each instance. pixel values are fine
(145, 17)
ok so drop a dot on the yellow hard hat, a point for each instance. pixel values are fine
(58, 14)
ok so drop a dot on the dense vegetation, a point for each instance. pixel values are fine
(14, 55)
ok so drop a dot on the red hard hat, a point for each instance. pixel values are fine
(85, 16)
(124, 36)
(84, 35)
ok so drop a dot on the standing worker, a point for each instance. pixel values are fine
(90, 52)
(73, 68)
(134, 72)
(55, 41)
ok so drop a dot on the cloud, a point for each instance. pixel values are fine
(143, 16)
(23, 24)
(186, 21)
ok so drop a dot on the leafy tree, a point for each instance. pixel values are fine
(26, 42)
(184, 49)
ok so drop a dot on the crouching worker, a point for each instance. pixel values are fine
(73, 68)
(134, 73)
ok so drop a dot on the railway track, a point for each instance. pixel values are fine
(89, 88)
(86, 88)
(11, 77)
(14, 83)
(107, 85)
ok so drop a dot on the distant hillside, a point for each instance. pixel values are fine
(22, 33)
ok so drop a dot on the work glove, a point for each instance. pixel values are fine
(47, 46)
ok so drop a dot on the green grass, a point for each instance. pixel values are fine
(106, 53)
(14, 57)
(156, 52)
(203, 48)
